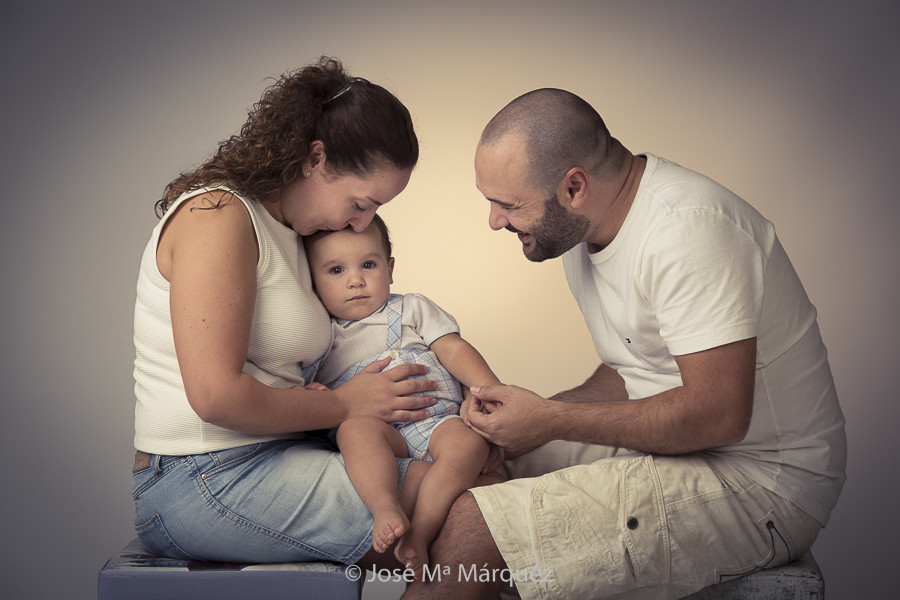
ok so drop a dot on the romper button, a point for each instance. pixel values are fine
(631, 523)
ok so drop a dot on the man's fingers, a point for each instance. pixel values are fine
(479, 421)
(488, 393)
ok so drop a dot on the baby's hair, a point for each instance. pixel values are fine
(385, 235)
(377, 220)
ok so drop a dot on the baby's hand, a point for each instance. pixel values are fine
(314, 387)
(495, 458)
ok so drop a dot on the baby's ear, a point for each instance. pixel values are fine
(391, 269)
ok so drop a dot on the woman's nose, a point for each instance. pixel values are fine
(359, 224)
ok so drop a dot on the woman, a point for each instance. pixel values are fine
(228, 331)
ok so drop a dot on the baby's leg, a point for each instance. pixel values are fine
(459, 454)
(369, 447)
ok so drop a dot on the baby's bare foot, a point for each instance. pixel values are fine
(390, 525)
(412, 552)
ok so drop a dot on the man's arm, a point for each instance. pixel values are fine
(604, 385)
(712, 408)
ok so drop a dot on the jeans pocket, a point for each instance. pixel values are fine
(156, 539)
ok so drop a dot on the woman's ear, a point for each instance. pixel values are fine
(315, 158)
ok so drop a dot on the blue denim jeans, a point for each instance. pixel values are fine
(281, 501)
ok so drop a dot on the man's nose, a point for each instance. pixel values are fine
(496, 218)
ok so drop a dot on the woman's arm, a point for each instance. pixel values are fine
(209, 258)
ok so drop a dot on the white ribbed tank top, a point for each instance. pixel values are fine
(290, 330)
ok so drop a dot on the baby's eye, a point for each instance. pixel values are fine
(336, 270)
(369, 264)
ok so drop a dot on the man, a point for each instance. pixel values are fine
(713, 377)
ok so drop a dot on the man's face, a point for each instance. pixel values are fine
(557, 231)
(543, 225)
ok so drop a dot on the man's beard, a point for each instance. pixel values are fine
(555, 233)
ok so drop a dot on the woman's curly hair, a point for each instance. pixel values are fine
(362, 126)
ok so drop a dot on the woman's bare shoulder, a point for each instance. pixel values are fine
(214, 220)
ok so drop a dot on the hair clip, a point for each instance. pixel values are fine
(344, 89)
(339, 93)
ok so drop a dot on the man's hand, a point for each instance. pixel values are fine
(511, 417)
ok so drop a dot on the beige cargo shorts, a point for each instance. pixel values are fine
(631, 525)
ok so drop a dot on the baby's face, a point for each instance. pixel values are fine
(351, 272)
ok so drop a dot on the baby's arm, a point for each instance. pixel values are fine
(463, 361)
(467, 365)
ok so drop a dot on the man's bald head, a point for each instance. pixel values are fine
(559, 131)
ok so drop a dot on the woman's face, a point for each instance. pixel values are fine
(333, 202)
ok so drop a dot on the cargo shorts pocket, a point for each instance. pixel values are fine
(602, 527)
(774, 546)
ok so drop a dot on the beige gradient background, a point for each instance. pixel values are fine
(792, 104)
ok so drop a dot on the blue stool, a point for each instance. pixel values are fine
(799, 580)
(135, 574)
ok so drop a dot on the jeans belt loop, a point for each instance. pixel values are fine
(155, 460)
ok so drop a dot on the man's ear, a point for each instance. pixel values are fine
(575, 188)
(391, 270)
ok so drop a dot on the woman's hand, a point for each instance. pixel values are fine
(387, 395)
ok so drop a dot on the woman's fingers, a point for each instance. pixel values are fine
(401, 372)
(377, 365)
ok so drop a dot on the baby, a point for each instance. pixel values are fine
(352, 274)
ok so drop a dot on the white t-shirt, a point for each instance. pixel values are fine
(695, 267)
(422, 321)
(290, 330)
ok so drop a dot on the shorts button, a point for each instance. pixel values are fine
(631, 523)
